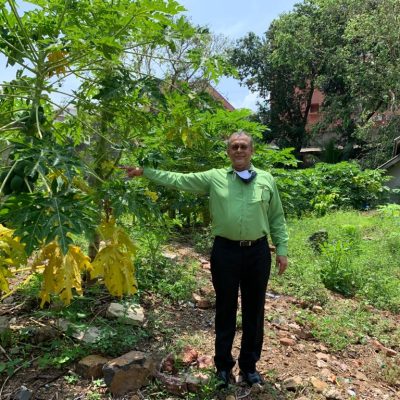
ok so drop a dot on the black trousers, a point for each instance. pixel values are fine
(232, 267)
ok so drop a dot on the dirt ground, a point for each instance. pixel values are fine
(295, 365)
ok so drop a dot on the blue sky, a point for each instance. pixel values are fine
(234, 18)
(231, 18)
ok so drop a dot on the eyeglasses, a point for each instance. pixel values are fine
(239, 146)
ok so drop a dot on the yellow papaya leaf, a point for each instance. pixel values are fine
(62, 273)
(116, 268)
(152, 195)
(74, 263)
(4, 274)
(12, 254)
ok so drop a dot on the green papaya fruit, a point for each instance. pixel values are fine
(18, 184)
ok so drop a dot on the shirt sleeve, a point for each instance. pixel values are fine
(277, 222)
(195, 182)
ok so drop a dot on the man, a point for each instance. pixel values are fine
(245, 208)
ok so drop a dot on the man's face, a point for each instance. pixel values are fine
(240, 152)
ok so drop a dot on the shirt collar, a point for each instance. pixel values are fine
(230, 168)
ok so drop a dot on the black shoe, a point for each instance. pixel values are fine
(224, 378)
(252, 378)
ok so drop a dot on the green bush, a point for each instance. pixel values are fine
(327, 187)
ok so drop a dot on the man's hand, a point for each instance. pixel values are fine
(281, 263)
(132, 171)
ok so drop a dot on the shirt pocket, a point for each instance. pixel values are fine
(261, 194)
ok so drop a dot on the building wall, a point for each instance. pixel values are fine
(394, 171)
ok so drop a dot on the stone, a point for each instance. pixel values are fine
(390, 352)
(91, 367)
(323, 356)
(332, 394)
(4, 324)
(318, 385)
(41, 334)
(230, 397)
(170, 256)
(321, 364)
(194, 382)
(351, 392)
(90, 335)
(129, 372)
(318, 309)
(285, 341)
(293, 383)
(202, 302)
(189, 355)
(360, 376)
(168, 364)
(131, 315)
(173, 384)
(23, 393)
(205, 362)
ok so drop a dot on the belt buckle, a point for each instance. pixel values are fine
(245, 243)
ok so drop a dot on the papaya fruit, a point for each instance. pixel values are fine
(18, 184)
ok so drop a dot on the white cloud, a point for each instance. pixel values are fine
(249, 101)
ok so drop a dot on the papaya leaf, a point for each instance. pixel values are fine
(62, 273)
(12, 253)
(115, 261)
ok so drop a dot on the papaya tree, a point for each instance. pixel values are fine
(59, 176)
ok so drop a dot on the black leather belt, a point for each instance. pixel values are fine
(241, 243)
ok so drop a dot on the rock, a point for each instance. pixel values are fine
(194, 382)
(318, 385)
(42, 334)
(23, 393)
(206, 266)
(168, 364)
(4, 324)
(323, 356)
(230, 397)
(293, 383)
(131, 315)
(189, 355)
(360, 376)
(301, 347)
(351, 392)
(321, 364)
(202, 302)
(205, 362)
(128, 372)
(170, 256)
(332, 394)
(90, 335)
(317, 239)
(285, 341)
(91, 367)
(173, 384)
(317, 309)
(390, 352)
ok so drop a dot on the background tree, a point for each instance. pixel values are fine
(345, 48)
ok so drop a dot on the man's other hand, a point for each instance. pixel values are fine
(281, 263)
(132, 171)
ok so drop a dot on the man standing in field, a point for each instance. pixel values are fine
(245, 207)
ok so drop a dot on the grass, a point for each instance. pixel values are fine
(351, 262)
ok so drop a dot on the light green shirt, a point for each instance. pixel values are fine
(239, 211)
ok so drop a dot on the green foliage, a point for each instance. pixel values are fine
(345, 323)
(326, 187)
(338, 272)
(351, 261)
(349, 50)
